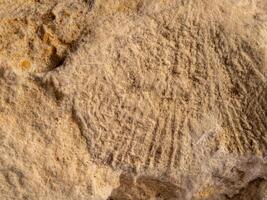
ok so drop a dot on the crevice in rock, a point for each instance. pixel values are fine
(254, 190)
(145, 187)
(90, 3)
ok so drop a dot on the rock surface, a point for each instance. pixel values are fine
(140, 99)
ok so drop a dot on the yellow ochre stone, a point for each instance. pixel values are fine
(25, 65)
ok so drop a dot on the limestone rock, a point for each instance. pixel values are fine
(141, 99)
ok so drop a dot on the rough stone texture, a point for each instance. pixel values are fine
(140, 99)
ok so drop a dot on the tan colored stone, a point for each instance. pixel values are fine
(138, 99)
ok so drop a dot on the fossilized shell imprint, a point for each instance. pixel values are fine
(151, 92)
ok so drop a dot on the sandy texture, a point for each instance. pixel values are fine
(141, 99)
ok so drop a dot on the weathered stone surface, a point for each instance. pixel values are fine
(151, 99)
